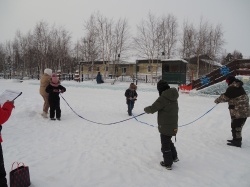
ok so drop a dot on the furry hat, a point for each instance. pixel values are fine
(230, 79)
(162, 85)
(132, 86)
(54, 79)
(48, 71)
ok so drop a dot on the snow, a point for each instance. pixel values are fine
(75, 153)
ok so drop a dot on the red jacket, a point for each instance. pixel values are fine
(5, 113)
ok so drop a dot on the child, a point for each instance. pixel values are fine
(131, 96)
(54, 88)
(167, 107)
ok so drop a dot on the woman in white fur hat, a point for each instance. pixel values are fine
(44, 82)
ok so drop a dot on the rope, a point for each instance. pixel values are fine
(184, 124)
(98, 122)
(134, 117)
(198, 117)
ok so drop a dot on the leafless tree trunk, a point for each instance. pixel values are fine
(121, 41)
(146, 42)
(169, 33)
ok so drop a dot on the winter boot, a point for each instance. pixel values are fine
(235, 143)
(176, 159)
(53, 119)
(230, 141)
(44, 114)
(58, 119)
(167, 167)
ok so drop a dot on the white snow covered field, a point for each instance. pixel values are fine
(74, 152)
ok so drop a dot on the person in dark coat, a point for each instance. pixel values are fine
(99, 78)
(131, 97)
(238, 105)
(167, 107)
(54, 88)
(5, 112)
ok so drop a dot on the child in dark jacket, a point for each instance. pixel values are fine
(131, 96)
(54, 88)
(167, 107)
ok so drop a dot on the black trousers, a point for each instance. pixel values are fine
(168, 150)
(3, 180)
(55, 108)
(236, 126)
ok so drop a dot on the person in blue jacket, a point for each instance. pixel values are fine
(99, 78)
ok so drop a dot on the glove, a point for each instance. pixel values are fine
(146, 110)
(216, 101)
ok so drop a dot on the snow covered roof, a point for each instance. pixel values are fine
(212, 62)
(177, 59)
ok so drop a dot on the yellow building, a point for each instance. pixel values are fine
(89, 70)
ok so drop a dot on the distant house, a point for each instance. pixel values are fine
(206, 65)
(107, 69)
(123, 68)
(148, 70)
(175, 71)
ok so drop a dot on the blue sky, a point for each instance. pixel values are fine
(24, 14)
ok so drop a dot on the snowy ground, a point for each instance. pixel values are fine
(76, 153)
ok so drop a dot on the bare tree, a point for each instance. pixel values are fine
(204, 40)
(89, 44)
(169, 33)
(148, 42)
(41, 44)
(187, 40)
(121, 42)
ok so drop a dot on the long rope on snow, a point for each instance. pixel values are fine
(134, 117)
(98, 122)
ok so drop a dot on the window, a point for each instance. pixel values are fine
(116, 69)
(107, 68)
(124, 70)
(97, 68)
(89, 69)
(137, 68)
(149, 68)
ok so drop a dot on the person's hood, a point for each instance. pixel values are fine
(171, 94)
(237, 83)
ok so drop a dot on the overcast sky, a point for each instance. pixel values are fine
(234, 15)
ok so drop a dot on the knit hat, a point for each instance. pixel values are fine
(162, 85)
(54, 78)
(230, 79)
(48, 71)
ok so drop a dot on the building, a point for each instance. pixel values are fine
(89, 70)
(206, 65)
(174, 71)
